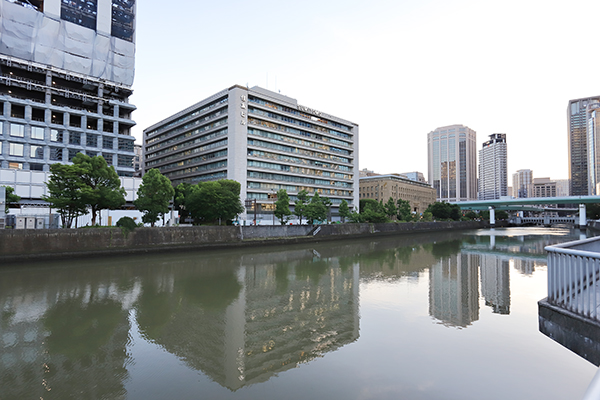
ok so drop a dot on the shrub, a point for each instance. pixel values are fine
(127, 224)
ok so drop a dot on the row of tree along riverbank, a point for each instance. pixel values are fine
(19, 245)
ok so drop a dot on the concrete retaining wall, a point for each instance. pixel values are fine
(54, 243)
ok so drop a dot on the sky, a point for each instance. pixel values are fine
(399, 69)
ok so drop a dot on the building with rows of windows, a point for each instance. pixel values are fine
(262, 139)
(66, 70)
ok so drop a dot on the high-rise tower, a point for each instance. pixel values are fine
(493, 174)
(522, 183)
(66, 70)
(452, 161)
(577, 121)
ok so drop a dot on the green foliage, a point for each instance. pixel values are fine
(317, 209)
(101, 188)
(65, 192)
(282, 206)
(300, 205)
(404, 210)
(154, 195)
(10, 197)
(592, 211)
(127, 224)
(209, 202)
(501, 215)
(427, 216)
(344, 210)
(371, 211)
(471, 215)
(181, 191)
(445, 211)
(390, 208)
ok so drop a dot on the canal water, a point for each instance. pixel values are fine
(425, 316)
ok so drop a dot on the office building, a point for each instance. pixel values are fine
(66, 74)
(382, 187)
(415, 176)
(493, 172)
(562, 187)
(452, 163)
(593, 145)
(543, 187)
(522, 183)
(577, 124)
(261, 139)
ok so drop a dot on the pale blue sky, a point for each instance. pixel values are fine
(399, 69)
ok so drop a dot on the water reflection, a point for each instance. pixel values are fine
(240, 317)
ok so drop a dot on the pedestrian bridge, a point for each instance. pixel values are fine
(545, 220)
(530, 204)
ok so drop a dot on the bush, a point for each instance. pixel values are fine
(127, 224)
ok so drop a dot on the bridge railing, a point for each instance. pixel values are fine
(573, 275)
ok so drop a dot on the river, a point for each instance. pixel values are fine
(424, 316)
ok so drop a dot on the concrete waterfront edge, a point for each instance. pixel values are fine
(19, 245)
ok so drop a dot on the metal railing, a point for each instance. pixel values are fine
(573, 277)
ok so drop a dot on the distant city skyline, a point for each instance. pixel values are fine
(397, 69)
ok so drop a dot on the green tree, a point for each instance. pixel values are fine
(154, 195)
(181, 191)
(101, 188)
(282, 206)
(64, 188)
(390, 208)
(592, 211)
(404, 210)
(501, 215)
(301, 203)
(472, 215)
(344, 210)
(214, 201)
(11, 198)
(316, 210)
(371, 211)
(444, 211)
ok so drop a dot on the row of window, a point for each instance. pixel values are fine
(302, 142)
(185, 127)
(279, 157)
(256, 111)
(296, 112)
(58, 153)
(295, 179)
(296, 189)
(186, 135)
(188, 116)
(199, 168)
(200, 149)
(296, 150)
(180, 146)
(305, 171)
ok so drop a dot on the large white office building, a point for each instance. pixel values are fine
(66, 71)
(262, 139)
(452, 163)
(493, 171)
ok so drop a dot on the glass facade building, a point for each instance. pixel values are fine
(265, 141)
(579, 167)
(452, 162)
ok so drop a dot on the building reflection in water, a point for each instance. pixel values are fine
(244, 325)
(495, 283)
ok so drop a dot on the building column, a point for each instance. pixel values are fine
(582, 216)
(492, 216)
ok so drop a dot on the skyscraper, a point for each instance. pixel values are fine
(66, 70)
(577, 121)
(493, 173)
(452, 161)
(593, 145)
(522, 183)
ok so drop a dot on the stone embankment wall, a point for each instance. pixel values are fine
(18, 245)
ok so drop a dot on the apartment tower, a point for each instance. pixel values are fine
(66, 70)
(493, 173)
(261, 139)
(452, 163)
(522, 183)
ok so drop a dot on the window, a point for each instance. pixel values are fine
(36, 167)
(122, 19)
(15, 149)
(36, 152)
(125, 145)
(75, 138)
(56, 135)
(124, 161)
(107, 142)
(108, 158)
(17, 130)
(72, 154)
(37, 132)
(80, 12)
(56, 154)
(91, 140)
(15, 165)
